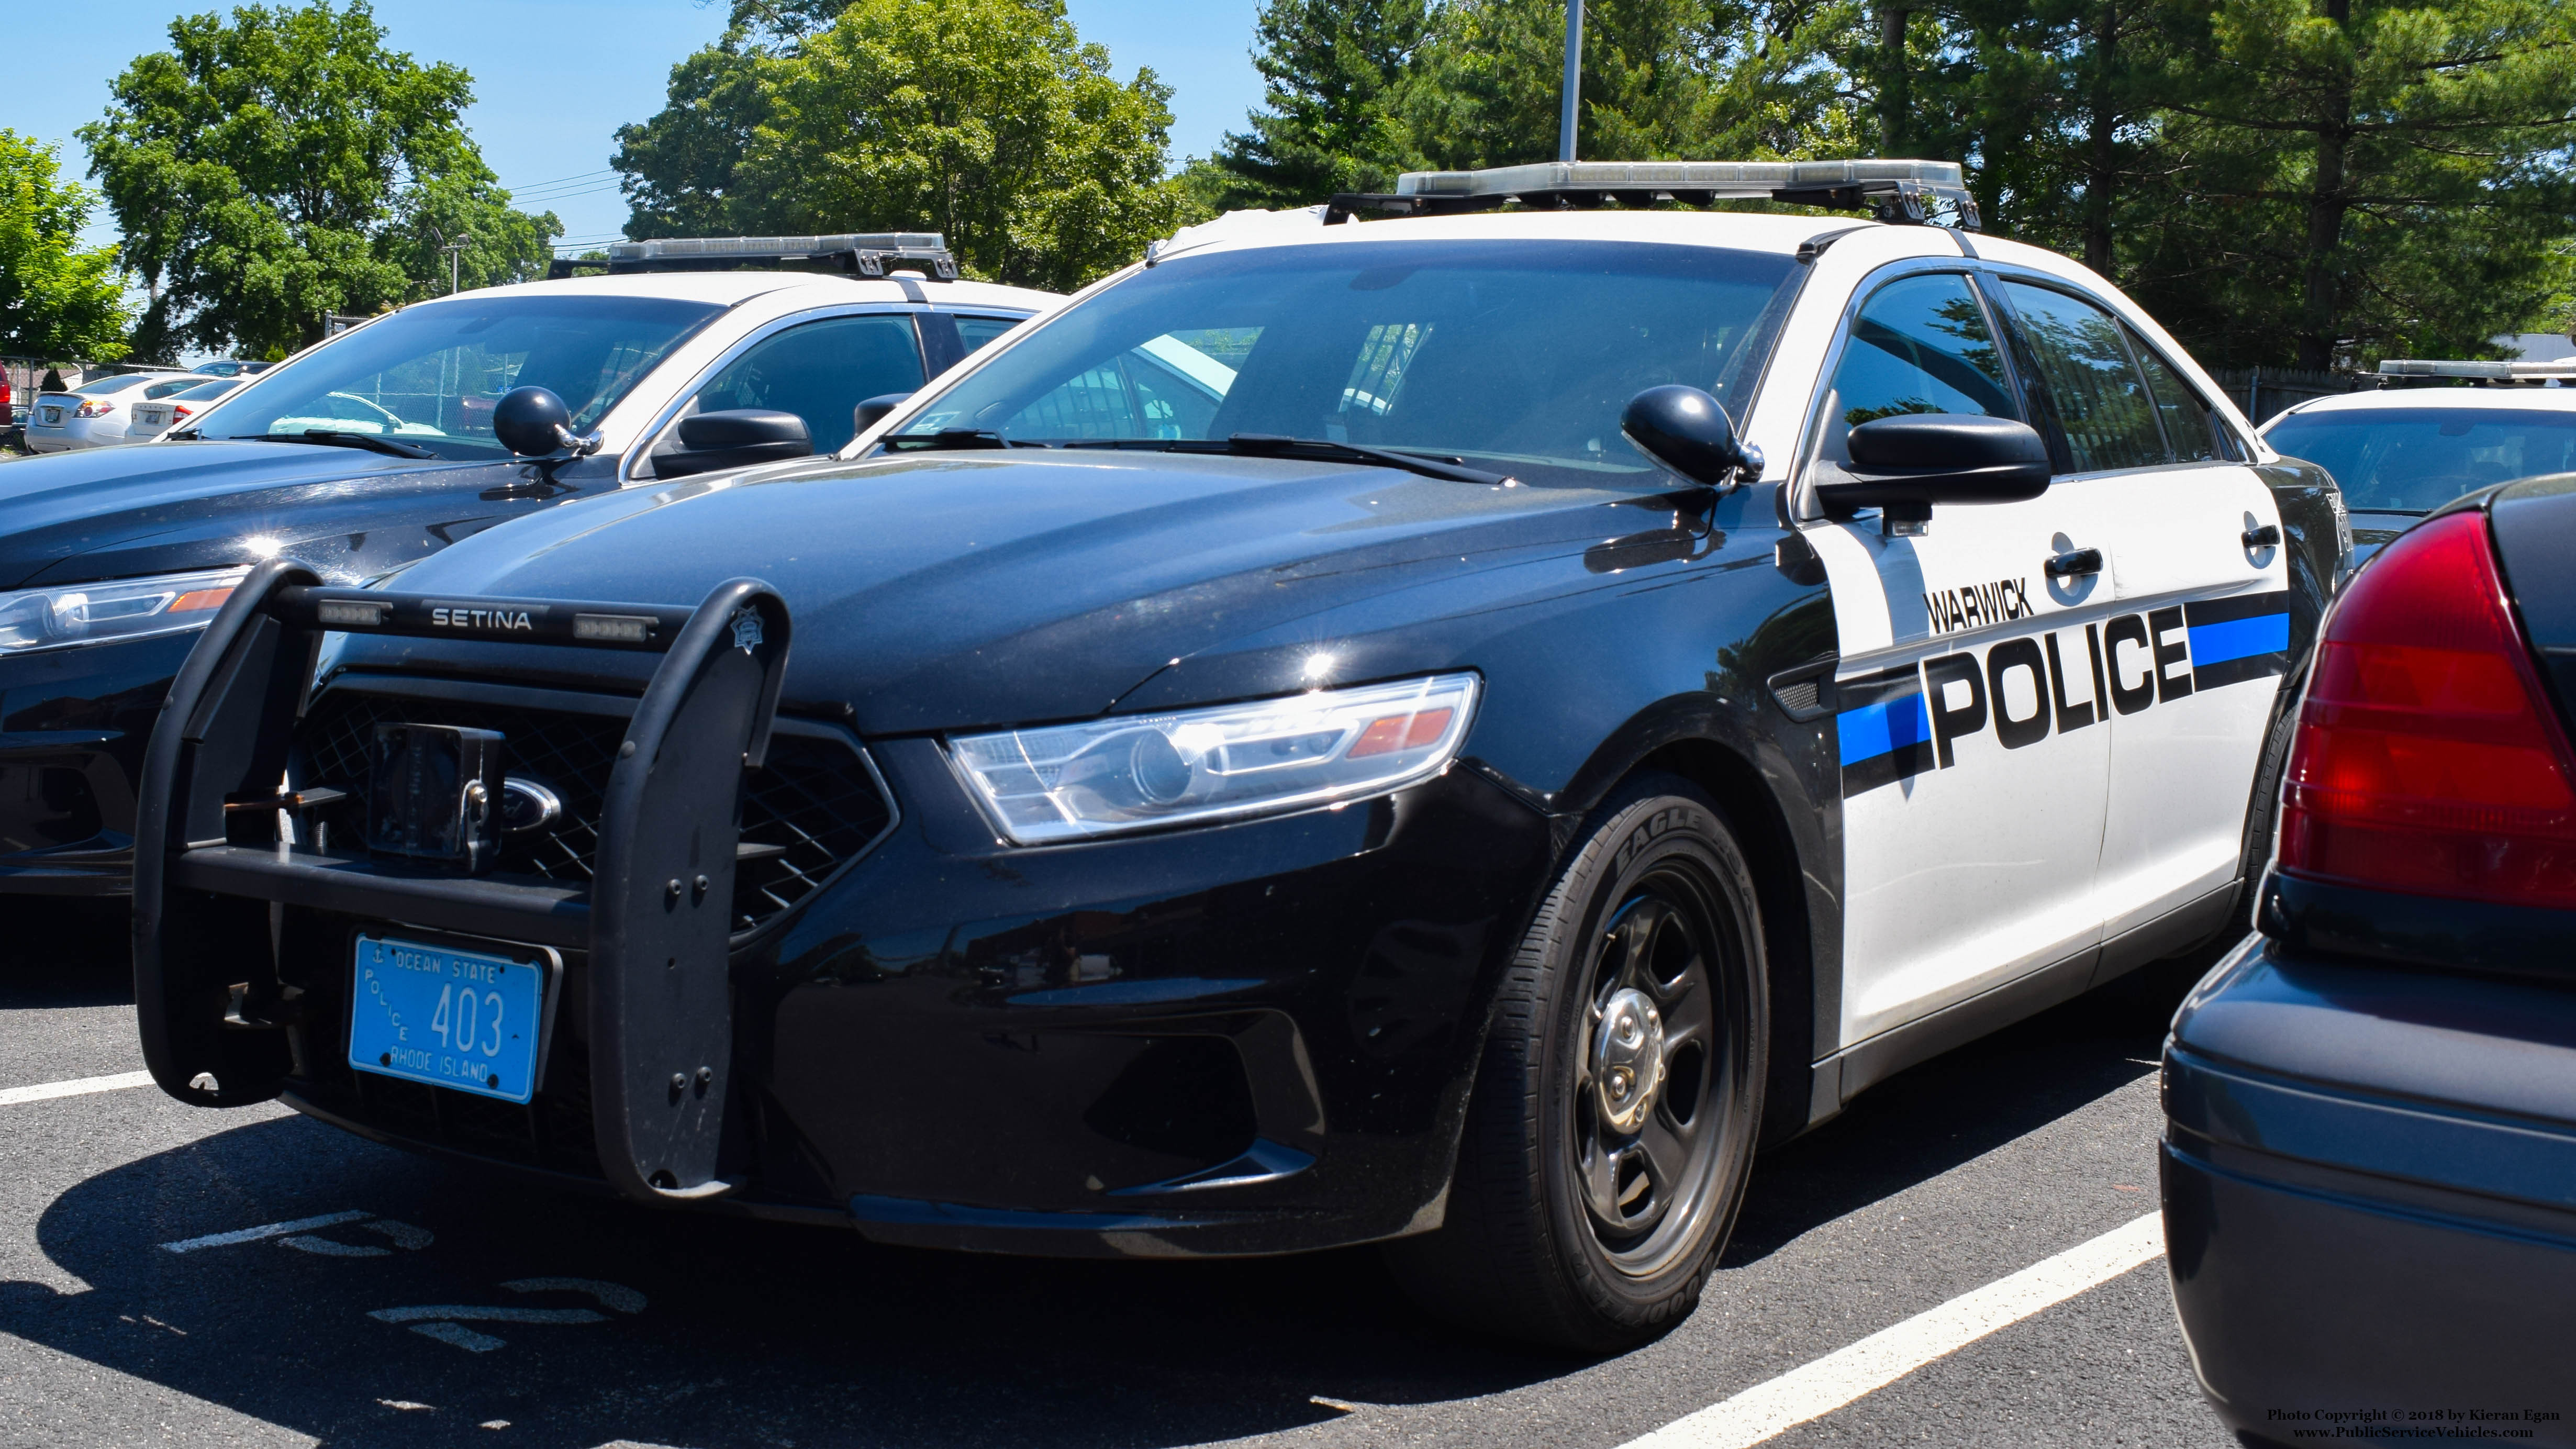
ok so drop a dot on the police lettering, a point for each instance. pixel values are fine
(1952, 610)
(460, 617)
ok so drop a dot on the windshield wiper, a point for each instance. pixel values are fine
(369, 441)
(947, 439)
(1272, 445)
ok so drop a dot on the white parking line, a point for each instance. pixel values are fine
(1818, 1388)
(42, 1091)
(264, 1230)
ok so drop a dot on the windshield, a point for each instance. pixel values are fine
(2413, 460)
(1521, 352)
(430, 374)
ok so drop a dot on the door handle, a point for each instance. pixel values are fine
(2074, 561)
(2268, 536)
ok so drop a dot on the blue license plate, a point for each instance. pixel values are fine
(471, 1020)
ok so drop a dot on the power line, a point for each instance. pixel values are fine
(582, 176)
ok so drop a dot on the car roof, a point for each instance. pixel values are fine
(730, 289)
(2536, 399)
(1735, 230)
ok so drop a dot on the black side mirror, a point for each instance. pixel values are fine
(1684, 429)
(532, 422)
(1902, 465)
(871, 412)
(735, 438)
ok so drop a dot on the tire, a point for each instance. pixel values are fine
(1586, 1211)
(2263, 811)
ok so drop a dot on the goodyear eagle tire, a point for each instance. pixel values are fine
(1615, 1108)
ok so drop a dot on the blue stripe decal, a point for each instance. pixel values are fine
(2239, 638)
(1882, 728)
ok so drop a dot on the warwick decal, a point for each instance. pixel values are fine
(1978, 605)
(1895, 723)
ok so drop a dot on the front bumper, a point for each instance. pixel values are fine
(1252, 1038)
(2369, 1183)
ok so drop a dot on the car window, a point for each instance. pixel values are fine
(1919, 345)
(171, 386)
(2190, 431)
(204, 390)
(1517, 351)
(820, 371)
(2411, 460)
(431, 373)
(102, 386)
(2093, 385)
(974, 332)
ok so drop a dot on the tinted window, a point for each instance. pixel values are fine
(2190, 431)
(974, 332)
(2092, 384)
(101, 387)
(216, 388)
(168, 386)
(2410, 460)
(1519, 351)
(1919, 345)
(820, 371)
(431, 373)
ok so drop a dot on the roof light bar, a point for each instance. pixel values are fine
(861, 254)
(1897, 191)
(2562, 368)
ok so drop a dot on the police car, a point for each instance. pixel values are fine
(385, 443)
(2430, 432)
(1449, 719)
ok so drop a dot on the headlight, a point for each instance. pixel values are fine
(1137, 772)
(121, 609)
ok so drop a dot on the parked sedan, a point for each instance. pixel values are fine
(97, 413)
(2370, 1147)
(2399, 453)
(157, 415)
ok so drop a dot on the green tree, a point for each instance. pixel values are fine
(57, 299)
(281, 166)
(1332, 76)
(2366, 177)
(988, 121)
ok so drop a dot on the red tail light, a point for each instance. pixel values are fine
(2428, 758)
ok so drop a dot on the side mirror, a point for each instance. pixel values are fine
(532, 422)
(1684, 429)
(1902, 465)
(872, 412)
(735, 438)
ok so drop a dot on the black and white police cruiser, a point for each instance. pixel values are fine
(1335, 736)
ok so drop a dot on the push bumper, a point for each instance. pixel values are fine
(2369, 1183)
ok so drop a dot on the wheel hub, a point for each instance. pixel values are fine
(1628, 1059)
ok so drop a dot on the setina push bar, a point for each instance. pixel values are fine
(215, 859)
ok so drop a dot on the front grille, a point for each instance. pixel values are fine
(816, 799)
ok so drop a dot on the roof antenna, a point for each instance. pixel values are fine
(1573, 78)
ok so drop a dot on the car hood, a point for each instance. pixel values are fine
(147, 507)
(958, 589)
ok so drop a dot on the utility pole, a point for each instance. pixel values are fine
(452, 248)
(1893, 101)
(1573, 79)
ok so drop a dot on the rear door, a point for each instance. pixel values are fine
(2198, 637)
(1966, 696)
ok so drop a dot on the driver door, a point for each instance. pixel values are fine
(1974, 747)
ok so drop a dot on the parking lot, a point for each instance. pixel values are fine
(392, 1299)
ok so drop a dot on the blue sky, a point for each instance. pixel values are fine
(554, 78)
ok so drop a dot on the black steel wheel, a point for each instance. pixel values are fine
(1614, 1113)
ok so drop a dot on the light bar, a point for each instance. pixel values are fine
(1895, 190)
(2489, 371)
(866, 254)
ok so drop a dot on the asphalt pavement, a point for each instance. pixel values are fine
(388, 1299)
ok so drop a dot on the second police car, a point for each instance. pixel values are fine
(1333, 737)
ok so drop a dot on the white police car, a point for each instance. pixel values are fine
(2430, 432)
(1333, 736)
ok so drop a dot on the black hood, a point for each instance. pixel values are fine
(958, 589)
(148, 508)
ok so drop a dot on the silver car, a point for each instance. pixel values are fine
(97, 413)
(153, 416)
